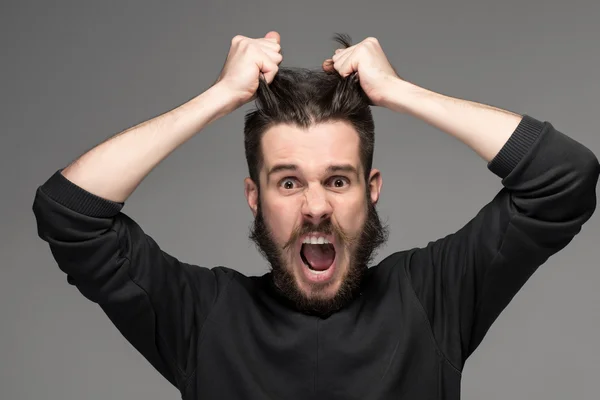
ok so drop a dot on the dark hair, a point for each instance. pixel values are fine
(304, 97)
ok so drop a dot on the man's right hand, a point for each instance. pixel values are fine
(247, 59)
(114, 168)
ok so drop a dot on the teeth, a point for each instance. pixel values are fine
(317, 272)
(315, 240)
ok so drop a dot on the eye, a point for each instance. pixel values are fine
(339, 181)
(287, 183)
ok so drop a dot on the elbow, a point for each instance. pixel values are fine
(589, 172)
(594, 168)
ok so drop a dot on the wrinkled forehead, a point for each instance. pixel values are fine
(313, 149)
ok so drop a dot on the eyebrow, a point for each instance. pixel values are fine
(348, 168)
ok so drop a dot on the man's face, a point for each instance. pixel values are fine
(315, 219)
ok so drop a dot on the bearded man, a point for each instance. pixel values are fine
(323, 323)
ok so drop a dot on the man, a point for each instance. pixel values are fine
(321, 324)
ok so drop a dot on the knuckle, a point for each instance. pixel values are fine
(246, 45)
(237, 39)
(372, 41)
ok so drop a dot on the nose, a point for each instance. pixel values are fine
(316, 206)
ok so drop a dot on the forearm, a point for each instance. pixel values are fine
(115, 168)
(483, 128)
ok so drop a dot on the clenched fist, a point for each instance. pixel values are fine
(367, 58)
(247, 59)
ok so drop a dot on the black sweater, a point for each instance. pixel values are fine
(215, 333)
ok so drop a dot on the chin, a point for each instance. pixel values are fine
(319, 291)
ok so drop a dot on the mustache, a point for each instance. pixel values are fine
(326, 227)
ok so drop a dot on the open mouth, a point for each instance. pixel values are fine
(318, 256)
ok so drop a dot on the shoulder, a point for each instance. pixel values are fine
(234, 279)
(390, 266)
(391, 262)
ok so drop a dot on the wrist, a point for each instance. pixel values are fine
(401, 95)
(218, 100)
(232, 98)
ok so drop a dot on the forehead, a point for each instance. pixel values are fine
(312, 149)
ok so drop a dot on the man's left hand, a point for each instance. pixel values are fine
(375, 73)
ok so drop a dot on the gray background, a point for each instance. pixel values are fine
(76, 72)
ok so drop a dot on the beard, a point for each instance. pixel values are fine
(361, 249)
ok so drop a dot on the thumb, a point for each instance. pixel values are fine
(269, 70)
(274, 36)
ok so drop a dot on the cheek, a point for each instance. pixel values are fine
(281, 219)
(351, 215)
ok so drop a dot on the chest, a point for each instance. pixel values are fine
(373, 350)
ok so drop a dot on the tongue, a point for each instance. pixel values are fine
(319, 256)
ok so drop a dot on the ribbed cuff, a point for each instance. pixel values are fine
(75, 198)
(517, 146)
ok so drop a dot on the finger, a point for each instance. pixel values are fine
(328, 65)
(345, 66)
(275, 56)
(340, 52)
(269, 69)
(273, 36)
(264, 43)
(339, 62)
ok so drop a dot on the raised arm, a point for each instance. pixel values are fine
(483, 128)
(464, 280)
(156, 301)
(114, 169)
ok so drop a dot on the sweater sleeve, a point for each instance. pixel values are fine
(466, 279)
(158, 303)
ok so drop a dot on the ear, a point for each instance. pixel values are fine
(251, 193)
(375, 184)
